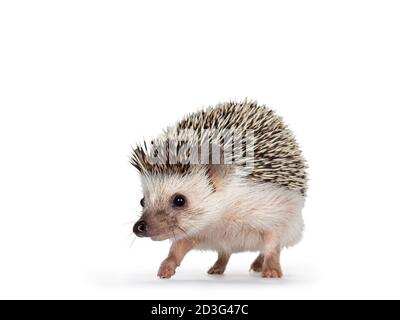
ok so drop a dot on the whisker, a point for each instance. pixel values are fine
(183, 230)
(133, 240)
(129, 222)
(136, 212)
(129, 235)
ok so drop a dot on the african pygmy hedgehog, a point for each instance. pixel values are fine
(229, 178)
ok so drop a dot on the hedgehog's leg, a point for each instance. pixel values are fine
(220, 265)
(271, 266)
(177, 252)
(257, 264)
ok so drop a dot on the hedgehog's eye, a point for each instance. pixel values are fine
(179, 200)
(142, 202)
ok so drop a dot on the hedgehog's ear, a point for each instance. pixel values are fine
(216, 174)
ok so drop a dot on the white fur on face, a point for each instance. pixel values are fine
(233, 218)
(159, 189)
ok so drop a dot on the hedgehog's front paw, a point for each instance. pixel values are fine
(216, 269)
(167, 269)
(272, 273)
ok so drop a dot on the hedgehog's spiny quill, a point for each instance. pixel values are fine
(276, 155)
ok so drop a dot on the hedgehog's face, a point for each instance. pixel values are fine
(173, 205)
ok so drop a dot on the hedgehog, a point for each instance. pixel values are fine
(229, 178)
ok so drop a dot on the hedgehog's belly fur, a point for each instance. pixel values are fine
(230, 241)
(242, 226)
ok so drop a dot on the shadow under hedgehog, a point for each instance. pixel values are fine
(229, 178)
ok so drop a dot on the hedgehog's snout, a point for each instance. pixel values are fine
(140, 228)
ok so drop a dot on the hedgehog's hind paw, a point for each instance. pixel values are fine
(272, 273)
(257, 264)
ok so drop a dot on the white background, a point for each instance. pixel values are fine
(82, 81)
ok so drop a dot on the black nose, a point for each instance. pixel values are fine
(140, 228)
